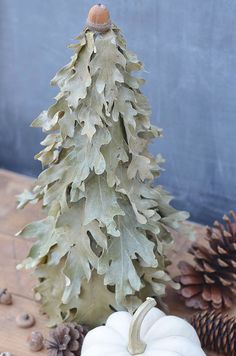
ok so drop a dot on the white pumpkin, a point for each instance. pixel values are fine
(148, 332)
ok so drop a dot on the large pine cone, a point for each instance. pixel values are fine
(66, 340)
(211, 282)
(216, 332)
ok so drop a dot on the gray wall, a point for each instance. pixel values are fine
(189, 51)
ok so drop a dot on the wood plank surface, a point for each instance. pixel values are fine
(20, 283)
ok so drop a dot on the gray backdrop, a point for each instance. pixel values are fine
(189, 51)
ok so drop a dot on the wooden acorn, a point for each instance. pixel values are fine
(99, 18)
(25, 320)
(35, 341)
(5, 297)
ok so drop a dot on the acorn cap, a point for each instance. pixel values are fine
(99, 18)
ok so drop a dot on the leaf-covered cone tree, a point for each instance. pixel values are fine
(102, 244)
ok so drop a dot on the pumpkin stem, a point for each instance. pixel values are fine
(136, 346)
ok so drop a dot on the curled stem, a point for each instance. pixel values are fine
(136, 346)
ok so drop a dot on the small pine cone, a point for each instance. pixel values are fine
(66, 340)
(211, 282)
(216, 332)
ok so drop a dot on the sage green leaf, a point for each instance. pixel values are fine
(170, 216)
(76, 241)
(76, 267)
(47, 123)
(133, 62)
(101, 204)
(80, 80)
(174, 220)
(74, 78)
(37, 229)
(43, 231)
(114, 152)
(48, 156)
(49, 291)
(132, 81)
(140, 165)
(87, 154)
(116, 263)
(142, 106)
(105, 65)
(135, 142)
(143, 198)
(90, 112)
(67, 123)
(66, 72)
(156, 279)
(48, 120)
(123, 106)
(25, 197)
(94, 303)
(73, 242)
(75, 167)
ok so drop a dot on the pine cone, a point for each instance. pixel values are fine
(66, 340)
(211, 282)
(216, 332)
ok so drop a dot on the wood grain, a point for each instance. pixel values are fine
(20, 283)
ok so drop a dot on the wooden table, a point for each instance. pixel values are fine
(20, 283)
